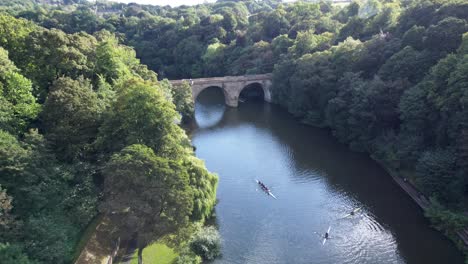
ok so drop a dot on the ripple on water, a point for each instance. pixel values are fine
(362, 239)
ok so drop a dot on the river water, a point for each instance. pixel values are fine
(317, 181)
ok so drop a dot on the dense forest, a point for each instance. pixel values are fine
(86, 129)
(387, 77)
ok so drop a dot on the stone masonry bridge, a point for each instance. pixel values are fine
(232, 86)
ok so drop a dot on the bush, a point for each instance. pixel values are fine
(13, 254)
(444, 219)
(186, 256)
(207, 243)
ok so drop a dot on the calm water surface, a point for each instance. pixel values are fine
(317, 181)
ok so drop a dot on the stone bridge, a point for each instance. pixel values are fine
(232, 86)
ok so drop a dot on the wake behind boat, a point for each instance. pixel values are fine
(265, 189)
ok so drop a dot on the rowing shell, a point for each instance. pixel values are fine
(266, 190)
(325, 239)
(354, 211)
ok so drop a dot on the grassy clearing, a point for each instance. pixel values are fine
(156, 253)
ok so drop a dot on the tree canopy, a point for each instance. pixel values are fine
(85, 109)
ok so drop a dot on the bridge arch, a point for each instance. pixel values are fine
(231, 86)
(264, 85)
(197, 90)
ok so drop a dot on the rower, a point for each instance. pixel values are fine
(352, 213)
(326, 235)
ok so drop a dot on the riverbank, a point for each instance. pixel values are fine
(419, 198)
(461, 237)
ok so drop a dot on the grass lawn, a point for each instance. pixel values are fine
(156, 253)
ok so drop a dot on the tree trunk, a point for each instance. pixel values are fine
(140, 255)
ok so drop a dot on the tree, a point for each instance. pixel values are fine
(113, 61)
(141, 114)
(274, 24)
(280, 45)
(354, 28)
(51, 54)
(71, 117)
(436, 172)
(408, 63)
(213, 59)
(12, 159)
(446, 35)
(204, 186)
(183, 100)
(149, 195)
(414, 37)
(13, 254)
(18, 106)
(308, 42)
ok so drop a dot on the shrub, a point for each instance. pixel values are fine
(207, 243)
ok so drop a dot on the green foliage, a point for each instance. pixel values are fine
(446, 35)
(308, 42)
(207, 243)
(387, 77)
(141, 114)
(18, 105)
(50, 238)
(13, 254)
(213, 59)
(414, 37)
(112, 60)
(436, 173)
(71, 117)
(182, 98)
(444, 219)
(45, 194)
(407, 64)
(186, 256)
(149, 195)
(204, 186)
(52, 178)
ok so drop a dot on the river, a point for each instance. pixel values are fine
(317, 182)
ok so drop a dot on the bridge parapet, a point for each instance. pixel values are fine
(254, 77)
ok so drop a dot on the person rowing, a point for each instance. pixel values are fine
(326, 236)
(265, 189)
(263, 186)
(352, 213)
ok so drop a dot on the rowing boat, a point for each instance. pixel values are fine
(325, 239)
(265, 189)
(353, 212)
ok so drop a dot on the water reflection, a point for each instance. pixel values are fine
(317, 182)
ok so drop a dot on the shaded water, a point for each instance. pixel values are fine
(317, 181)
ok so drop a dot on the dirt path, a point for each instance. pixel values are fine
(98, 249)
